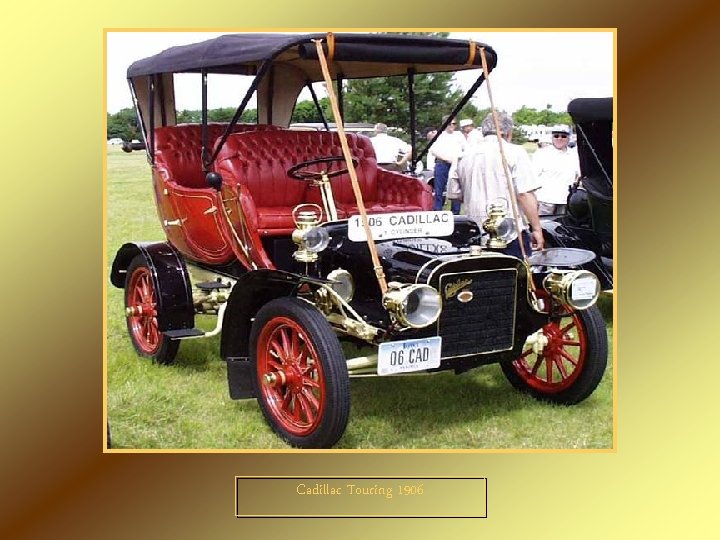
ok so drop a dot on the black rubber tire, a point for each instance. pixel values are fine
(592, 370)
(333, 419)
(166, 349)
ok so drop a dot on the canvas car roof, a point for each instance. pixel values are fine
(355, 55)
(591, 109)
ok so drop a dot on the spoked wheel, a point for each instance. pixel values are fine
(300, 378)
(141, 311)
(571, 363)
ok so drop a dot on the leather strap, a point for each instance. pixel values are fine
(471, 55)
(331, 47)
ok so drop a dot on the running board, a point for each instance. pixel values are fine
(184, 333)
(193, 333)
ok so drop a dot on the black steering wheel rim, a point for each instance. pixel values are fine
(297, 173)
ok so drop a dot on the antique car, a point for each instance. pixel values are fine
(588, 222)
(296, 241)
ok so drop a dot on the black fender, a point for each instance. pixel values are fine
(170, 277)
(558, 235)
(251, 292)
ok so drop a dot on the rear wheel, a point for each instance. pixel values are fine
(300, 374)
(141, 307)
(571, 363)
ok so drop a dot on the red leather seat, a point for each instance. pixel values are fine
(258, 163)
(178, 148)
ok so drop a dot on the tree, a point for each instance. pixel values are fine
(123, 124)
(526, 116)
(385, 99)
(306, 111)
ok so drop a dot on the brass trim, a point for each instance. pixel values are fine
(336, 310)
(485, 255)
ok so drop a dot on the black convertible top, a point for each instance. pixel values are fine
(591, 109)
(360, 55)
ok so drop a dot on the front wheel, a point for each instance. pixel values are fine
(300, 375)
(571, 363)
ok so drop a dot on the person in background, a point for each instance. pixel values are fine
(557, 168)
(391, 153)
(447, 149)
(482, 181)
(472, 135)
(430, 159)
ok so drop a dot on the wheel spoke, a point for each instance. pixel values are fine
(311, 398)
(144, 288)
(526, 353)
(561, 367)
(285, 343)
(294, 346)
(145, 324)
(305, 407)
(286, 401)
(570, 325)
(536, 365)
(277, 351)
(548, 369)
(296, 409)
(302, 354)
(568, 357)
(274, 364)
(152, 333)
(312, 383)
(570, 342)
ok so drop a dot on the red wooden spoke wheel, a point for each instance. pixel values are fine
(141, 310)
(569, 364)
(292, 376)
(300, 377)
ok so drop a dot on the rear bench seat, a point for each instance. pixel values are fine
(258, 162)
(178, 149)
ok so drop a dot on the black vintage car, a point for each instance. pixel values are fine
(297, 240)
(588, 222)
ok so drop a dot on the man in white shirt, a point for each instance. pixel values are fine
(482, 181)
(391, 153)
(446, 150)
(557, 168)
(472, 135)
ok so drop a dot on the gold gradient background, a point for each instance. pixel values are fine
(660, 483)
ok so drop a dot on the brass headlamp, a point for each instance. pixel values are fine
(309, 238)
(414, 306)
(578, 289)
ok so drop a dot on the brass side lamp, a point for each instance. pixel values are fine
(309, 238)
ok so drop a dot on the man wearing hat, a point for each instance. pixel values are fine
(472, 135)
(557, 168)
(446, 151)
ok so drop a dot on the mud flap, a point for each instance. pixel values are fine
(240, 378)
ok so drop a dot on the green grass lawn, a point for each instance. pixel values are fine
(186, 405)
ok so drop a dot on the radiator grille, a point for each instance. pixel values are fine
(484, 324)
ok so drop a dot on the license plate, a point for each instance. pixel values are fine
(409, 355)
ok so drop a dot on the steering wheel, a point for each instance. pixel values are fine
(305, 170)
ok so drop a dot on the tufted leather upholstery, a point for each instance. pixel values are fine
(177, 150)
(258, 163)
